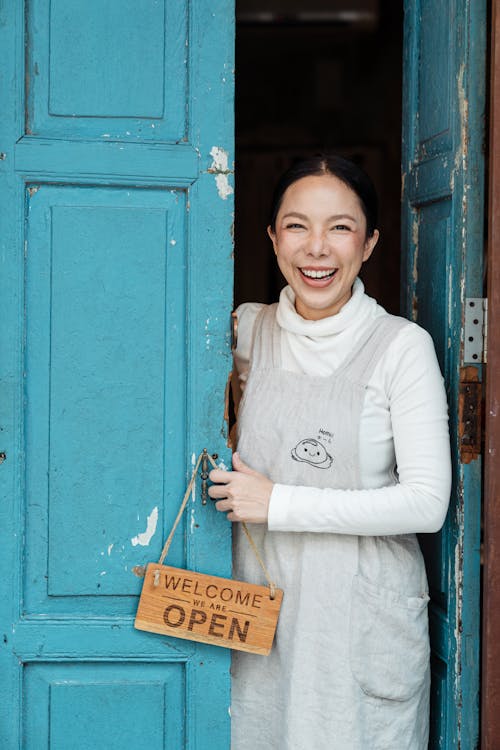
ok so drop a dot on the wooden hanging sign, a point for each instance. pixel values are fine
(209, 609)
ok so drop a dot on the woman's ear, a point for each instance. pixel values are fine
(370, 244)
(272, 236)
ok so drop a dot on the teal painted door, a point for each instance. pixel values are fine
(443, 135)
(115, 287)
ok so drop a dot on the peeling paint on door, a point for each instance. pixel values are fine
(145, 537)
(219, 168)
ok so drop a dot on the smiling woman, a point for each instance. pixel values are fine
(320, 239)
(343, 455)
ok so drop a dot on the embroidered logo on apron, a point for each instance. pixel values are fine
(312, 452)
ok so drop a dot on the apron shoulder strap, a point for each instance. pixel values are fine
(265, 346)
(361, 364)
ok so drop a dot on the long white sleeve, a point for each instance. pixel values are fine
(404, 422)
(418, 416)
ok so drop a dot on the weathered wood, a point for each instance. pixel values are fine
(490, 687)
(443, 248)
(209, 609)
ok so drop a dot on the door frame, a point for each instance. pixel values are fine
(490, 692)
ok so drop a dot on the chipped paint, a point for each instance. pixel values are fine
(450, 295)
(192, 512)
(208, 338)
(192, 524)
(220, 169)
(414, 307)
(462, 152)
(110, 548)
(463, 104)
(220, 160)
(223, 187)
(145, 537)
(458, 618)
(415, 242)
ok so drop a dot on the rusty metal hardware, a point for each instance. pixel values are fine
(470, 415)
(204, 475)
(3, 456)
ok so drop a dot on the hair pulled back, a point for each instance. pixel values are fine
(343, 169)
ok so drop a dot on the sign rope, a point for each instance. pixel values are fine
(166, 547)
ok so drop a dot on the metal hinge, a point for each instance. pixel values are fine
(469, 414)
(476, 330)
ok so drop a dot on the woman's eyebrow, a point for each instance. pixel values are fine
(296, 215)
(334, 217)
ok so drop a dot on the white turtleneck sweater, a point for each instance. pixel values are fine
(404, 424)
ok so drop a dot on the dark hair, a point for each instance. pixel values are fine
(343, 169)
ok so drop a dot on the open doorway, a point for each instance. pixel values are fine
(313, 76)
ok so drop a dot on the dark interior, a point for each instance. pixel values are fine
(322, 75)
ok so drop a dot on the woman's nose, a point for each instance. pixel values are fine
(317, 244)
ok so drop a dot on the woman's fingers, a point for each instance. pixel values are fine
(220, 475)
(223, 505)
(243, 493)
(217, 491)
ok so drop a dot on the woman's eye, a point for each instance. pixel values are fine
(341, 228)
(294, 225)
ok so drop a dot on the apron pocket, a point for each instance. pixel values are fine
(389, 640)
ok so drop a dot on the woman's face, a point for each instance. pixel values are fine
(320, 243)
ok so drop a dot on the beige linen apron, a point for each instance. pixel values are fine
(350, 666)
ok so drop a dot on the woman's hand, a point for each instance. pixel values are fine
(245, 492)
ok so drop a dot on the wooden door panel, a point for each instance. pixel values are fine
(443, 198)
(434, 84)
(109, 705)
(104, 379)
(431, 291)
(113, 70)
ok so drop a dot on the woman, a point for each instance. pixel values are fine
(343, 455)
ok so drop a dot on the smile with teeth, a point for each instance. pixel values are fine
(317, 274)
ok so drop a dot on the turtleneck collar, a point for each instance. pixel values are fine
(289, 319)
